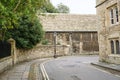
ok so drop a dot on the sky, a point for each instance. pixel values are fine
(78, 6)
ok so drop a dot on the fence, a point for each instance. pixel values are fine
(5, 49)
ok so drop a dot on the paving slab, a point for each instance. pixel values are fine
(22, 71)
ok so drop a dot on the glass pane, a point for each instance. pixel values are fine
(116, 9)
(112, 47)
(111, 13)
(117, 47)
(111, 16)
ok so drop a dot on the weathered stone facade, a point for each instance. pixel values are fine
(78, 31)
(108, 14)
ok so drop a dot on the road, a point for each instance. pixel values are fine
(76, 68)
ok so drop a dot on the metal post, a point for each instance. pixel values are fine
(55, 45)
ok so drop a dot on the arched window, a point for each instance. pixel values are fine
(112, 47)
(117, 47)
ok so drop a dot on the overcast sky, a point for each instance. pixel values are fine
(78, 6)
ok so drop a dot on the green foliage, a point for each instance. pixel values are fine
(18, 20)
(61, 8)
(27, 34)
(12, 10)
(45, 42)
(48, 8)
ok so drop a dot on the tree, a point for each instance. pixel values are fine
(27, 34)
(48, 8)
(19, 18)
(61, 8)
(12, 10)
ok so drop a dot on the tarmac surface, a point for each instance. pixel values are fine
(32, 70)
(76, 68)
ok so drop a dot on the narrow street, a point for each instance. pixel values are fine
(76, 68)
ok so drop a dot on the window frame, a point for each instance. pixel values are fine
(113, 15)
(115, 46)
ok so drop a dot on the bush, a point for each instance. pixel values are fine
(45, 42)
(27, 34)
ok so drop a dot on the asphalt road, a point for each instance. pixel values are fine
(76, 68)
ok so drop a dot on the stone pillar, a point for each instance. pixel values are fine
(70, 43)
(81, 47)
(14, 56)
(66, 50)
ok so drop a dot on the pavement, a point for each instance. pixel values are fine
(115, 67)
(24, 71)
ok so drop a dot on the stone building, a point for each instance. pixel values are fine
(77, 31)
(108, 14)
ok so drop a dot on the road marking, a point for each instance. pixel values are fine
(45, 75)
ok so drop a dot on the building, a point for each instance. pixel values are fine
(108, 14)
(77, 31)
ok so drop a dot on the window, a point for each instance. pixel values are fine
(114, 17)
(116, 10)
(117, 47)
(112, 47)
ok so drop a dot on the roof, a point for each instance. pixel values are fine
(68, 22)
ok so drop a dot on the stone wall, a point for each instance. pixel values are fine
(107, 31)
(41, 51)
(5, 63)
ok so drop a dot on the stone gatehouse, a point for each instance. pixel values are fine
(77, 31)
(108, 14)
